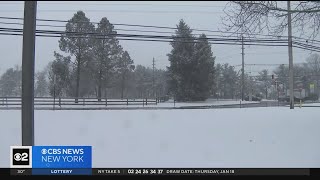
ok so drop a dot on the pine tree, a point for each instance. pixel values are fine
(105, 49)
(124, 66)
(203, 71)
(180, 59)
(229, 81)
(78, 44)
(191, 68)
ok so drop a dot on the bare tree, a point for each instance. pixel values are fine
(252, 17)
(255, 17)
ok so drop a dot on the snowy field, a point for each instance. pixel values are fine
(199, 138)
(312, 104)
(208, 102)
(308, 104)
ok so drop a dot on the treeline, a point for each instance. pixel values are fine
(226, 82)
(98, 66)
(138, 85)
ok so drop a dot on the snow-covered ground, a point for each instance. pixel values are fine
(254, 137)
(208, 102)
(311, 104)
(308, 104)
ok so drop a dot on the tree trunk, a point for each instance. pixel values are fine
(78, 80)
(99, 85)
(122, 86)
(99, 92)
(266, 93)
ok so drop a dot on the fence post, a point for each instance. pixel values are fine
(106, 102)
(54, 103)
(60, 101)
(240, 104)
(7, 101)
(83, 101)
(146, 101)
(142, 102)
(127, 102)
(300, 103)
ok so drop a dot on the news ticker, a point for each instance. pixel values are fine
(161, 171)
(77, 160)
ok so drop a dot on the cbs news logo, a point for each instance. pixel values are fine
(20, 156)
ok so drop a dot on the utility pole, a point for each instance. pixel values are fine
(28, 62)
(153, 64)
(290, 56)
(242, 76)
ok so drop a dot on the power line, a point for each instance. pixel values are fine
(233, 41)
(167, 5)
(168, 41)
(160, 27)
(151, 36)
(121, 11)
(143, 26)
(120, 29)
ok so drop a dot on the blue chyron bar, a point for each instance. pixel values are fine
(167, 171)
(61, 160)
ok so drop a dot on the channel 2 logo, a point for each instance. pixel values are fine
(20, 156)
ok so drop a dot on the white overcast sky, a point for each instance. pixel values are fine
(197, 14)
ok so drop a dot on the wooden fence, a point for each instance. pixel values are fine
(67, 102)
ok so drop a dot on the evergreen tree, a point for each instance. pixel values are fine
(203, 71)
(181, 57)
(191, 68)
(229, 81)
(10, 82)
(105, 49)
(77, 42)
(124, 66)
